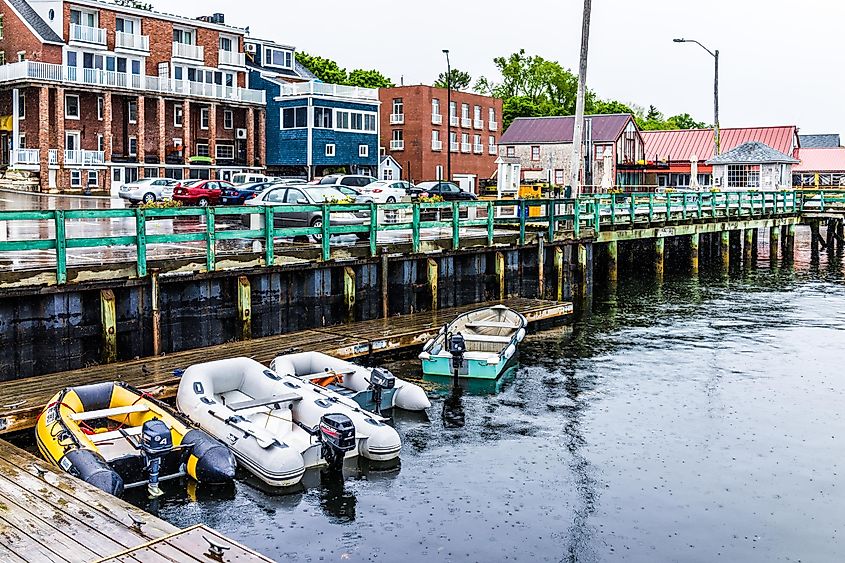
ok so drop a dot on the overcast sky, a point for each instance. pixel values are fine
(780, 61)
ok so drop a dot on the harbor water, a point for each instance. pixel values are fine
(693, 419)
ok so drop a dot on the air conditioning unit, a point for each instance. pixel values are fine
(249, 47)
(240, 133)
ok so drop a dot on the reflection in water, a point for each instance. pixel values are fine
(453, 408)
(336, 500)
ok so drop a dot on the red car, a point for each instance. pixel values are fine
(200, 192)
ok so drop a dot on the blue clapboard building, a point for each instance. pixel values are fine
(313, 128)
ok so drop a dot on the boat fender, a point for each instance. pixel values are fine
(209, 461)
(93, 469)
(520, 334)
(510, 351)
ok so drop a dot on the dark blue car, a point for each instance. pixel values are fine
(237, 195)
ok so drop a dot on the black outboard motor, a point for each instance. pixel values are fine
(380, 379)
(156, 442)
(337, 434)
(457, 347)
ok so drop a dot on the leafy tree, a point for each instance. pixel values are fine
(685, 121)
(325, 69)
(609, 106)
(368, 79)
(460, 80)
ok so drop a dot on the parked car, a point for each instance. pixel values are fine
(447, 190)
(249, 178)
(200, 192)
(352, 180)
(308, 195)
(387, 191)
(147, 190)
(237, 195)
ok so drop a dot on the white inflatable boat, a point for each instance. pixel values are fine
(374, 389)
(277, 425)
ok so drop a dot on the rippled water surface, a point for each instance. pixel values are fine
(693, 420)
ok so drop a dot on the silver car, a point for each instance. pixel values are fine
(147, 190)
(308, 195)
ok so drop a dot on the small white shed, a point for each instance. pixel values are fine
(389, 169)
(508, 176)
(752, 165)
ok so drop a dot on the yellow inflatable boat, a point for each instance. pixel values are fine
(115, 437)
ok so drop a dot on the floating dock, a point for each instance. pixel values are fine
(22, 400)
(48, 516)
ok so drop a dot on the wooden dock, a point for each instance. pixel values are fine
(22, 400)
(48, 516)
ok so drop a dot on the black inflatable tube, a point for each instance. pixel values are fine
(215, 462)
(93, 469)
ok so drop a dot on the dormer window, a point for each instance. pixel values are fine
(278, 57)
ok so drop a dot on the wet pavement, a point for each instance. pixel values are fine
(694, 420)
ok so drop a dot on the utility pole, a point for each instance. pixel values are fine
(575, 178)
(448, 117)
(717, 142)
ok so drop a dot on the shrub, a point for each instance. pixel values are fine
(162, 204)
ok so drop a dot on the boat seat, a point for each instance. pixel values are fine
(105, 413)
(486, 338)
(345, 391)
(101, 437)
(490, 324)
(265, 401)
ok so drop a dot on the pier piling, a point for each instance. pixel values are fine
(613, 261)
(432, 271)
(245, 308)
(725, 249)
(154, 305)
(659, 256)
(774, 242)
(108, 318)
(693, 254)
(748, 250)
(559, 272)
(500, 275)
(541, 264)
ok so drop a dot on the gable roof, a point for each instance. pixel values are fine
(34, 22)
(559, 129)
(752, 152)
(825, 141)
(681, 144)
(821, 160)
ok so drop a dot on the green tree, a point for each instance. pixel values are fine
(685, 121)
(460, 80)
(325, 69)
(368, 79)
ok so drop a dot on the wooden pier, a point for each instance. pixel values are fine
(48, 516)
(22, 400)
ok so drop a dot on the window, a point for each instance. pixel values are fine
(743, 176)
(76, 178)
(369, 122)
(535, 154)
(126, 25)
(92, 178)
(228, 119)
(398, 106)
(183, 36)
(225, 152)
(363, 151)
(51, 14)
(492, 115)
(330, 149)
(22, 141)
(511, 151)
(357, 122)
(465, 111)
(435, 138)
(225, 43)
(132, 111)
(101, 143)
(559, 176)
(204, 118)
(491, 141)
(435, 106)
(177, 142)
(342, 120)
(2, 57)
(477, 113)
(71, 106)
(133, 145)
(398, 135)
(1, 26)
(438, 172)
(100, 106)
(202, 149)
(178, 116)
(22, 105)
(465, 147)
(453, 109)
(323, 118)
(294, 118)
(278, 57)
(21, 56)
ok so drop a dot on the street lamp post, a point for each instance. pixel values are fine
(448, 117)
(715, 55)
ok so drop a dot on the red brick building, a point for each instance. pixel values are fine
(93, 93)
(414, 131)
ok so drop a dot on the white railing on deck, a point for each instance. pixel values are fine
(478, 123)
(53, 156)
(466, 147)
(231, 58)
(397, 145)
(436, 119)
(437, 145)
(131, 41)
(466, 122)
(83, 157)
(185, 51)
(57, 73)
(491, 149)
(397, 118)
(26, 156)
(493, 125)
(87, 34)
(333, 90)
(478, 149)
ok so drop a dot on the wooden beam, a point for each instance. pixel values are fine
(349, 292)
(694, 252)
(432, 271)
(774, 242)
(559, 271)
(541, 266)
(154, 297)
(108, 319)
(613, 261)
(500, 275)
(659, 256)
(385, 282)
(244, 308)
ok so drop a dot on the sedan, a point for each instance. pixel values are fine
(447, 190)
(238, 195)
(386, 191)
(200, 192)
(147, 190)
(308, 195)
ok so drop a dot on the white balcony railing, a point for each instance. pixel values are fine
(466, 122)
(53, 156)
(185, 51)
(332, 90)
(436, 119)
(84, 158)
(493, 125)
(397, 118)
(87, 34)
(437, 145)
(491, 149)
(454, 146)
(454, 121)
(31, 70)
(231, 58)
(397, 145)
(478, 123)
(466, 147)
(131, 41)
(26, 156)
(478, 149)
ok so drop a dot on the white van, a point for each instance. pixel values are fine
(249, 178)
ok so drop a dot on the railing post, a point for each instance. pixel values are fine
(373, 229)
(491, 217)
(613, 210)
(551, 208)
(597, 216)
(210, 241)
(650, 207)
(684, 203)
(415, 229)
(325, 239)
(576, 217)
(269, 238)
(141, 242)
(633, 202)
(668, 207)
(700, 198)
(456, 225)
(523, 212)
(61, 247)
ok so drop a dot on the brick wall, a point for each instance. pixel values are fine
(18, 37)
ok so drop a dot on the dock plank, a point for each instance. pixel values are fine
(22, 400)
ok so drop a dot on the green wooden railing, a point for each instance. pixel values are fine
(490, 220)
(821, 201)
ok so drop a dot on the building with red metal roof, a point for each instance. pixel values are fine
(820, 167)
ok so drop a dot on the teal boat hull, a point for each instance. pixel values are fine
(471, 369)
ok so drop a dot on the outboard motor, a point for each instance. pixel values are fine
(337, 434)
(457, 347)
(156, 442)
(380, 379)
